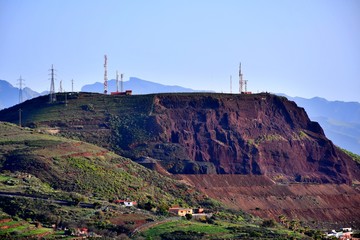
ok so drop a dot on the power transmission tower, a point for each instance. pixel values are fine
(105, 75)
(20, 83)
(52, 85)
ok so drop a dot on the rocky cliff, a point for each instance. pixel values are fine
(259, 134)
(199, 133)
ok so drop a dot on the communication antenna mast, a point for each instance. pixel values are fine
(241, 81)
(117, 81)
(105, 75)
(72, 85)
(121, 87)
(230, 84)
(52, 85)
(20, 89)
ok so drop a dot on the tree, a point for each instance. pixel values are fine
(163, 209)
(188, 216)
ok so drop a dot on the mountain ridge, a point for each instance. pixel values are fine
(342, 127)
(242, 129)
(263, 139)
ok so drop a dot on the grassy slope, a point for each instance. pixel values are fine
(41, 165)
(183, 229)
(54, 168)
(354, 156)
(69, 165)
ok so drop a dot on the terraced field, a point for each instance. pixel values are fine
(19, 229)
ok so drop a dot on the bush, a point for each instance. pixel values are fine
(268, 223)
(188, 216)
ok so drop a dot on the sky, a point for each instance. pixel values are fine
(302, 48)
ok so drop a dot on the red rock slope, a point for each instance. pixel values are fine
(259, 134)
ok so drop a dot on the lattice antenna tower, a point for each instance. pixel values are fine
(52, 85)
(241, 80)
(122, 82)
(21, 84)
(72, 85)
(105, 75)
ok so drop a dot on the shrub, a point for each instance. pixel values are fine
(268, 223)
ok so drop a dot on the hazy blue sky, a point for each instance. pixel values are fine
(302, 48)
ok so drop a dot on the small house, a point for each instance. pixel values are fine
(181, 211)
(129, 203)
(126, 203)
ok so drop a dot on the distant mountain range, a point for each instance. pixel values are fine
(137, 85)
(340, 120)
(9, 95)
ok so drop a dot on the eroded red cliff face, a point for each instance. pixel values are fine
(259, 134)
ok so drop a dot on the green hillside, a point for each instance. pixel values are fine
(52, 179)
(75, 166)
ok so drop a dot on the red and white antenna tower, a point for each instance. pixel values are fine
(105, 75)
